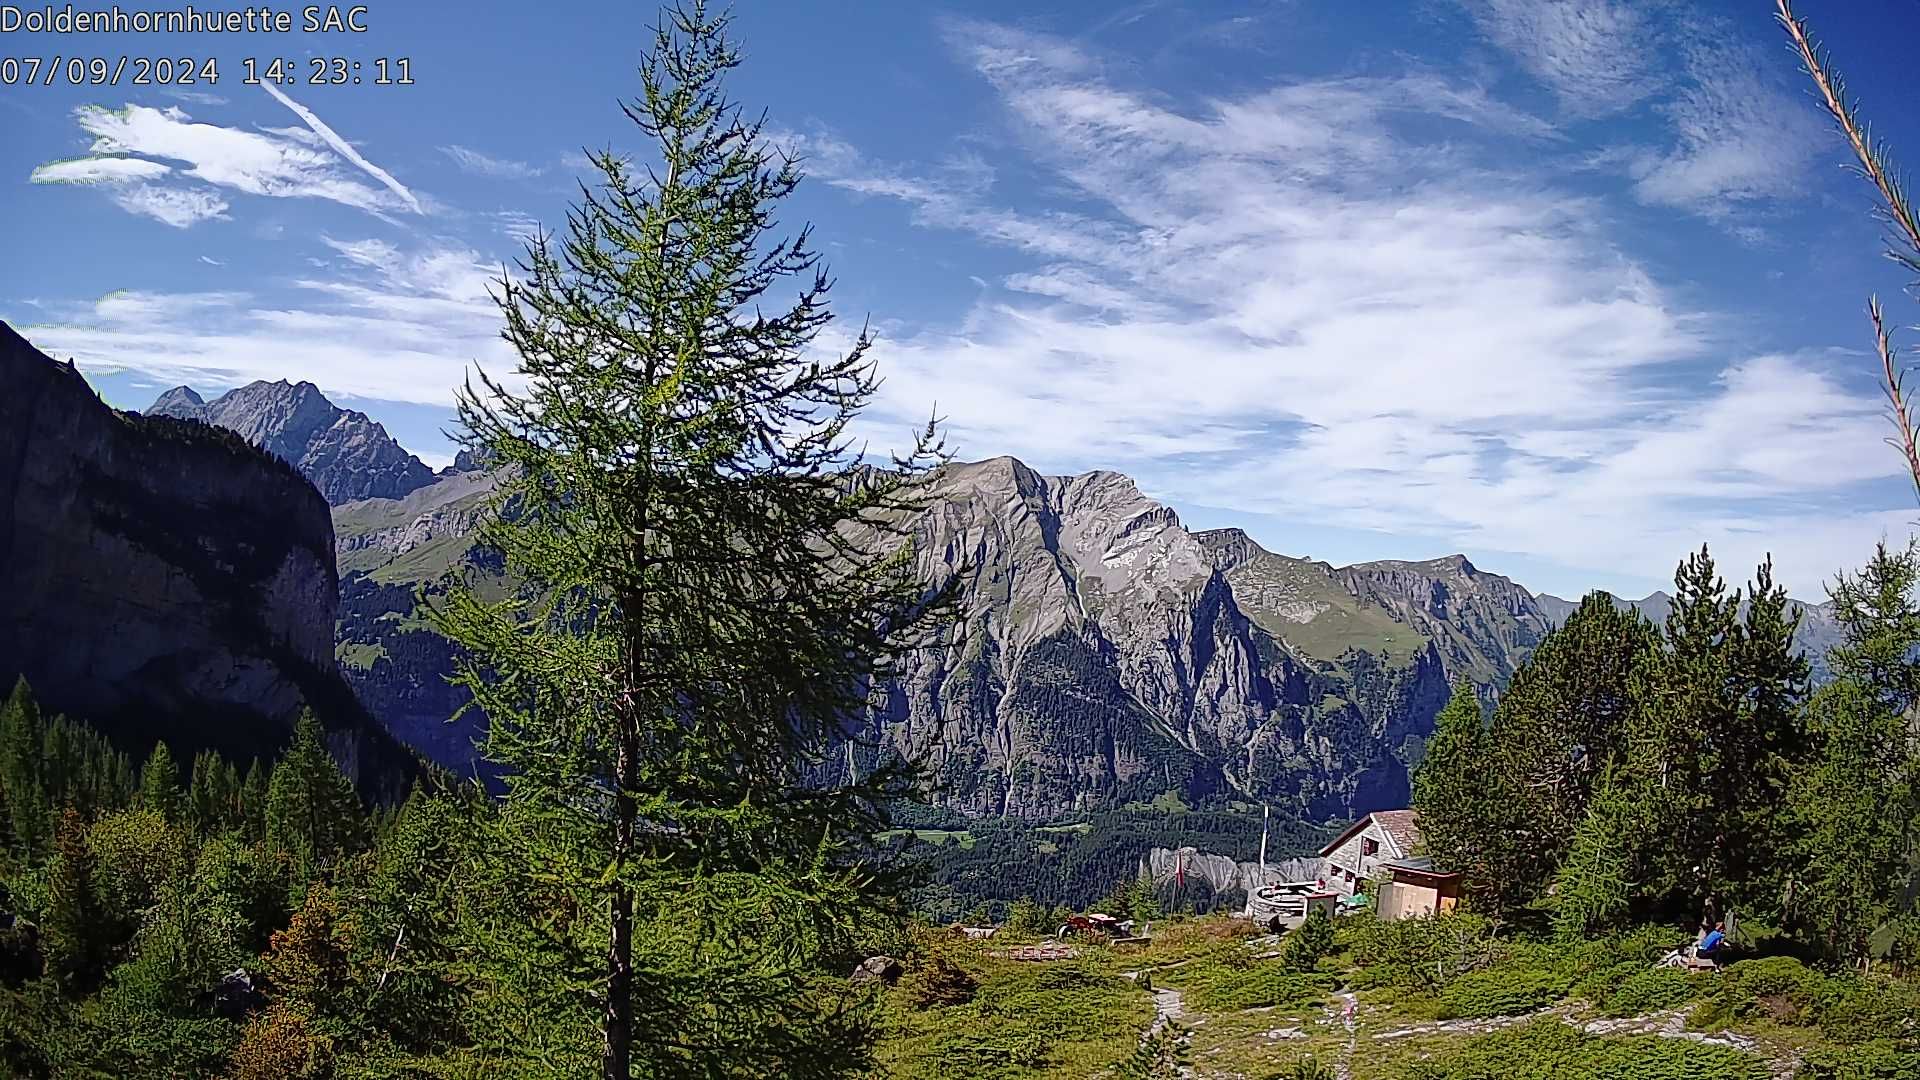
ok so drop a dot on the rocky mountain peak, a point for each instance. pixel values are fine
(346, 454)
(179, 402)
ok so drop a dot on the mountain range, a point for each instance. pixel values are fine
(1109, 653)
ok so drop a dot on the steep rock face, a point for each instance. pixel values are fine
(1097, 643)
(1482, 624)
(395, 663)
(1107, 655)
(1386, 641)
(163, 578)
(346, 454)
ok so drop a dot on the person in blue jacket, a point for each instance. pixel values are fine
(1709, 944)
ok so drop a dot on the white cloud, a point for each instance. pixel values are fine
(279, 163)
(516, 225)
(1283, 304)
(178, 207)
(480, 164)
(98, 170)
(1737, 139)
(1593, 53)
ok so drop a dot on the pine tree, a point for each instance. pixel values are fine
(22, 744)
(406, 920)
(313, 817)
(1309, 942)
(160, 785)
(1760, 750)
(252, 807)
(213, 793)
(717, 583)
(76, 929)
(1685, 702)
(1454, 792)
(203, 793)
(1565, 715)
(1857, 804)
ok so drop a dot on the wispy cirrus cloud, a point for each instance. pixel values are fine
(1735, 137)
(1593, 56)
(377, 321)
(1286, 303)
(179, 208)
(479, 164)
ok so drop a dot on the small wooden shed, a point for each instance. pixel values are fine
(1413, 888)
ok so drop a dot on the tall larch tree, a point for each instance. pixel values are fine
(713, 580)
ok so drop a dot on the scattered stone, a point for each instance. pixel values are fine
(884, 970)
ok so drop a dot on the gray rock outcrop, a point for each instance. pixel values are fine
(1164, 866)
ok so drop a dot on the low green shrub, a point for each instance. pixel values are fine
(1846, 1008)
(1881, 1059)
(1650, 989)
(1770, 975)
(1309, 942)
(1599, 986)
(938, 982)
(1425, 953)
(1777, 988)
(1500, 992)
(1261, 984)
(1547, 1049)
(1858, 1009)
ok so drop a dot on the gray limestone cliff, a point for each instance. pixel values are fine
(163, 578)
(1109, 655)
(1222, 875)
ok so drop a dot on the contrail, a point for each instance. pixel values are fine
(341, 146)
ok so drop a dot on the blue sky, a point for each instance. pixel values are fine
(1569, 288)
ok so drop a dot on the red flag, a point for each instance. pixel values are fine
(1180, 870)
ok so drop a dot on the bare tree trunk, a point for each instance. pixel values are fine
(616, 1061)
